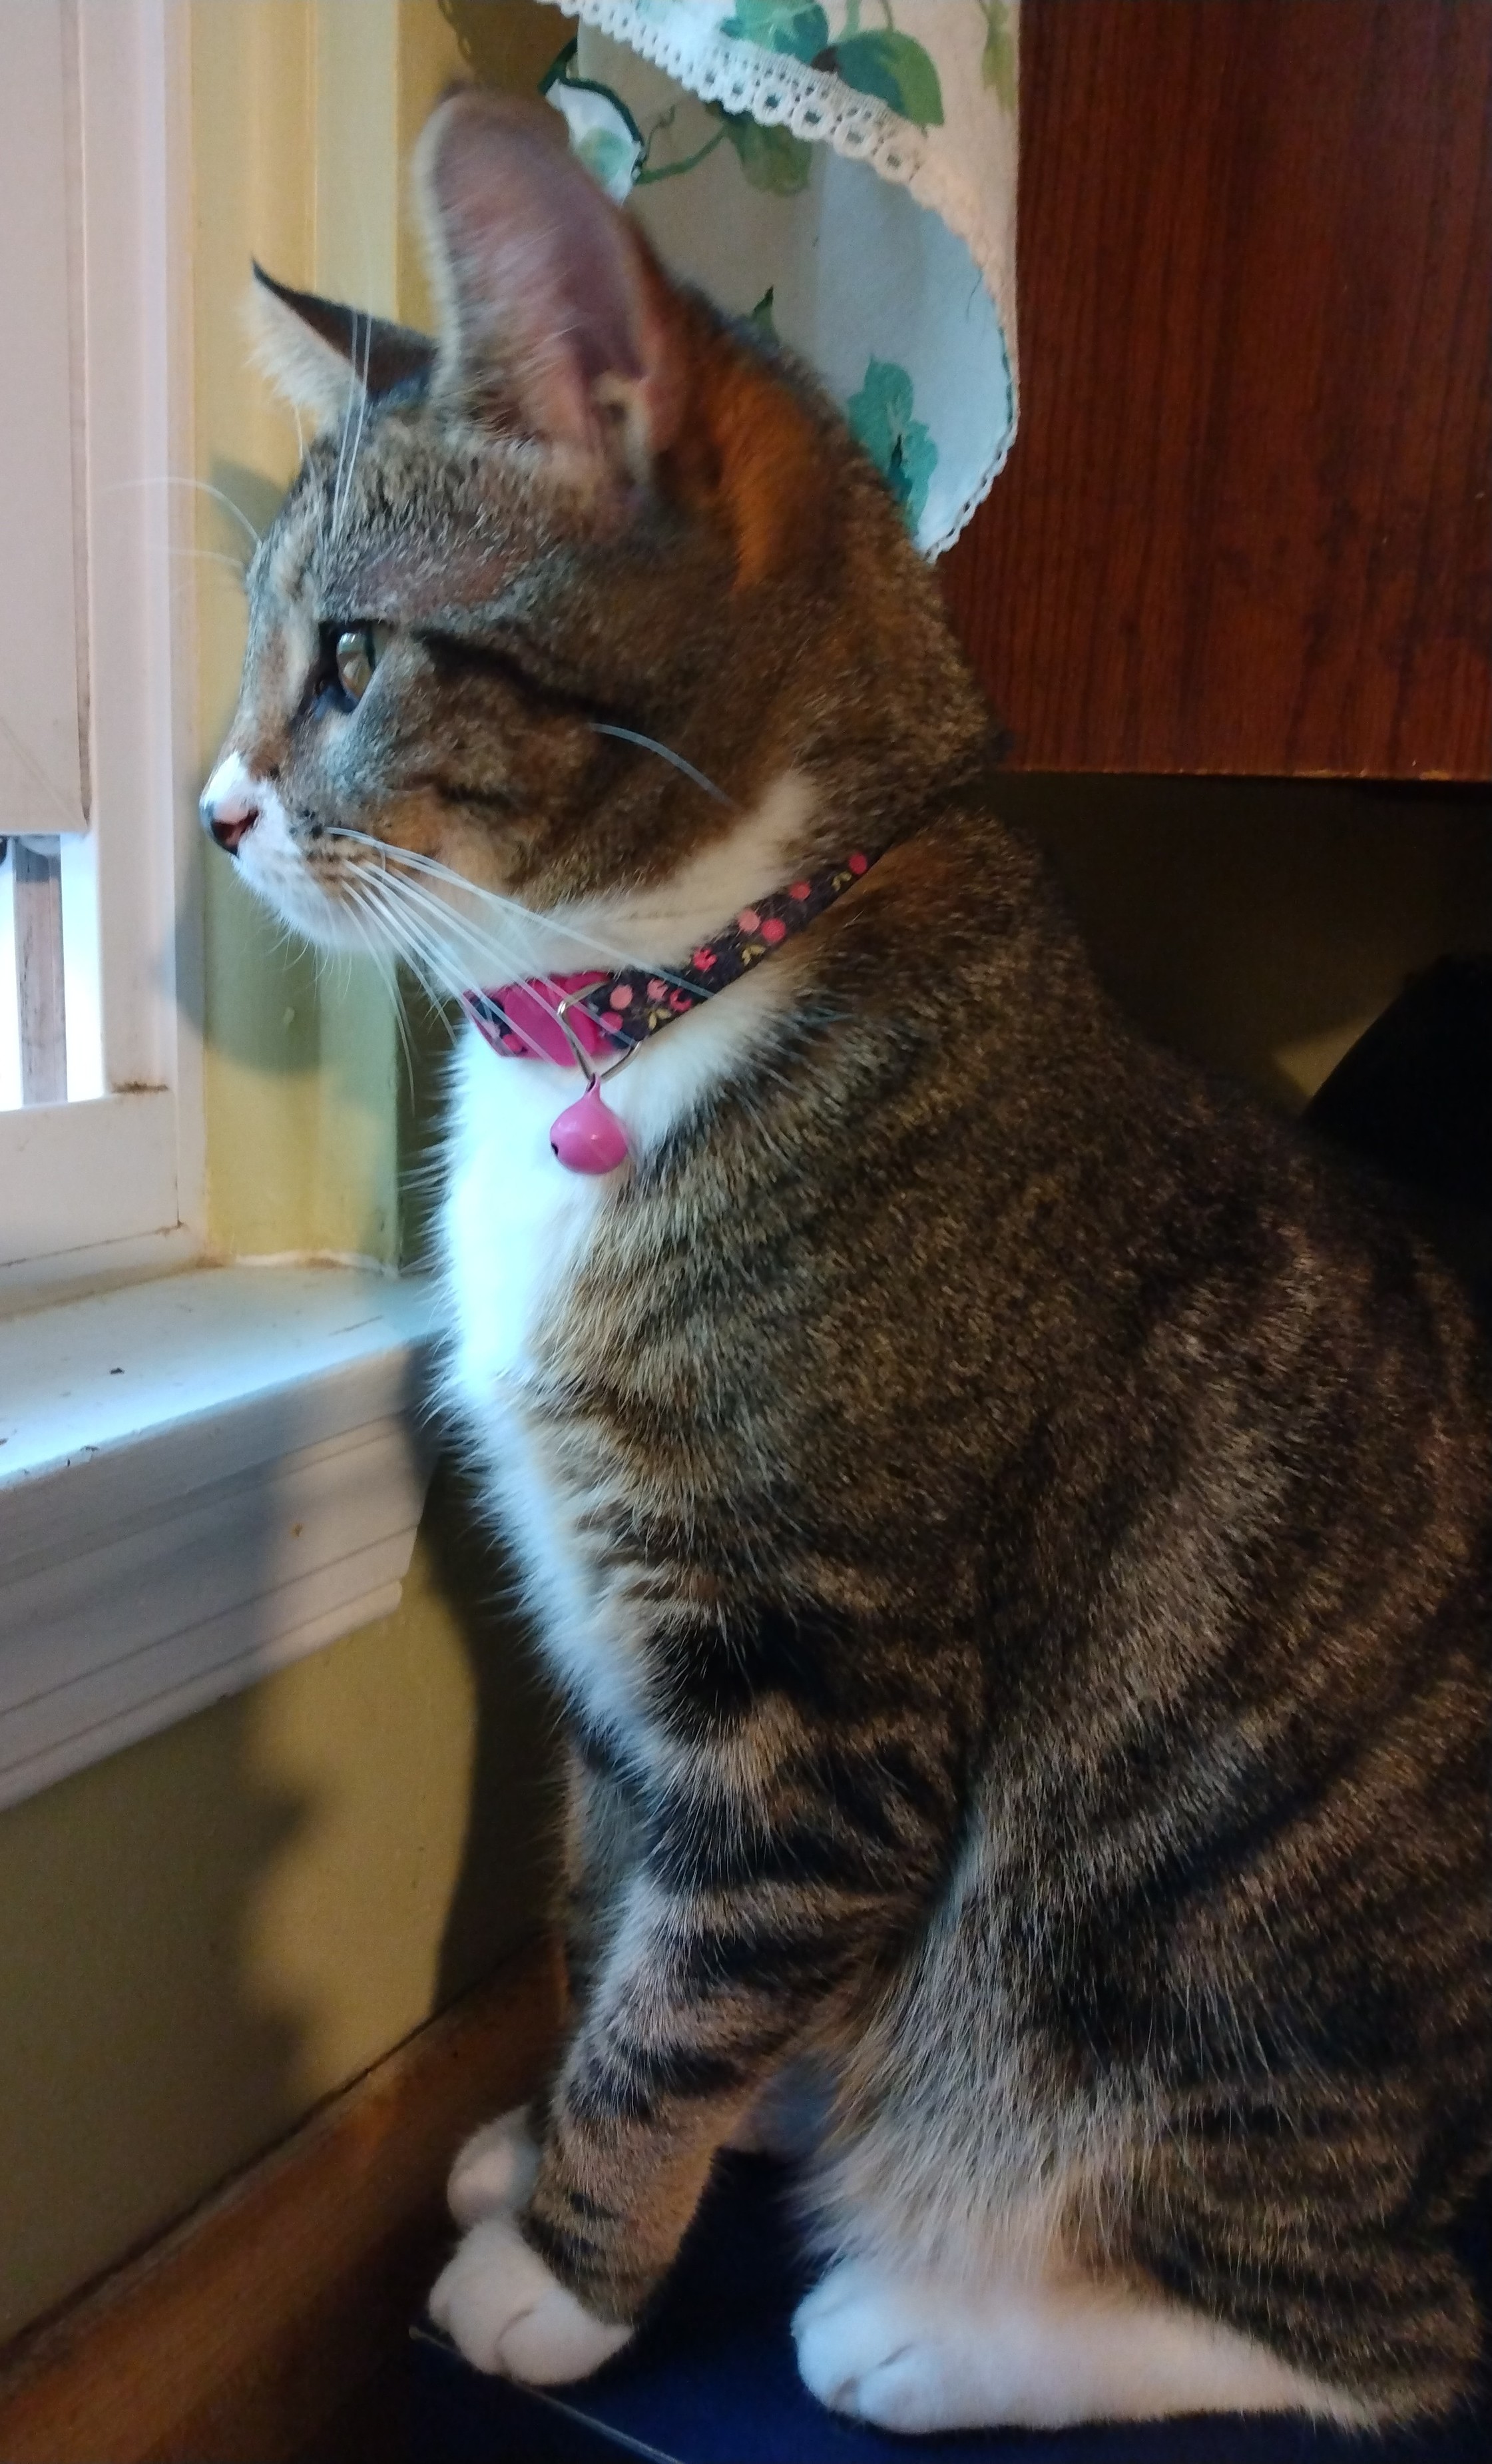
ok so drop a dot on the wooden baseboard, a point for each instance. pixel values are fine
(251, 2325)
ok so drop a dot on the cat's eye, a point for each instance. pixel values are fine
(354, 658)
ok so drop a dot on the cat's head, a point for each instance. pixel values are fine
(589, 504)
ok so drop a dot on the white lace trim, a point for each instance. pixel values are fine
(999, 455)
(782, 92)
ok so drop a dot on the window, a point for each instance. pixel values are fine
(98, 1103)
(202, 1475)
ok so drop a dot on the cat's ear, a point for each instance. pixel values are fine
(321, 355)
(554, 315)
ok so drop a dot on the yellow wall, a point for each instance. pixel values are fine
(297, 125)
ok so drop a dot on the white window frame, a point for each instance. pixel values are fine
(115, 1185)
(203, 1475)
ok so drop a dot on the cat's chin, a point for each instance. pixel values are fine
(272, 864)
(297, 899)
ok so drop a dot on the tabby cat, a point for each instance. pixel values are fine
(1009, 1519)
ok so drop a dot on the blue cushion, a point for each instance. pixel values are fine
(711, 2380)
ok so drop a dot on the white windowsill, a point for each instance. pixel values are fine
(201, 1479)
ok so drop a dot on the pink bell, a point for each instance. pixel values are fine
(588, 1137)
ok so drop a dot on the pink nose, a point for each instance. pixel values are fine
(229, 810)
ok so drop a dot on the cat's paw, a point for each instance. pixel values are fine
(878, 2347)
(913, 2351)
(495, 2171)
(498, 2301)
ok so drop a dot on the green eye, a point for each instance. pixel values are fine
(356, 659)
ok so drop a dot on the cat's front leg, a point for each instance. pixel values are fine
(493, 2172)
(739, 1939)
(664, 2062)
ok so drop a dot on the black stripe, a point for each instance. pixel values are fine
(453, 654)
(629, 2080)
(461, 791)
(686, 1859)
(567, 2254)
(682, 2069)
(772, 1959)
(601, 1754)
(595, 2211)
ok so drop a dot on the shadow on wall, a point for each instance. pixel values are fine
(206, 1933)
(1258, 925)
(509, 1855)
(134, 2068)
(515, 1791)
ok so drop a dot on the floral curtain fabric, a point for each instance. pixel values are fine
(845, 174)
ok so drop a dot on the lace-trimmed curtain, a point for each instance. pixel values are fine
(845, 174)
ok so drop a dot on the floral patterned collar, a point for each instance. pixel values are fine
(564, 1018)
(580, 1020)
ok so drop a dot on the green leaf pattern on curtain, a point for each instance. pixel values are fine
(907, 313)
(901, 446)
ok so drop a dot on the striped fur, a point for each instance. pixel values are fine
(1009, 1518)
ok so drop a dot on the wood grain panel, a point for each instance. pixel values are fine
(1247, 524)
(248, 2329)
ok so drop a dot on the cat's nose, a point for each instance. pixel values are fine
(229, 805)
(229, 833)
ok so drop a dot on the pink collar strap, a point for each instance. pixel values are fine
(580, 1020)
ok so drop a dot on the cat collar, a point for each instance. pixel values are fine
(582, 1021)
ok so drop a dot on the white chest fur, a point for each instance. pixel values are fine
(516, 1228)
(517, 1225)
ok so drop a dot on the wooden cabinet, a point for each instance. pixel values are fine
(1247, 524)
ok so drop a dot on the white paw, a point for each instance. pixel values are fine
(495, 2171)
(499, 2302)
(913, 2351)
(880, 2349)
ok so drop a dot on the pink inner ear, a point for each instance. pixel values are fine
(543, 271)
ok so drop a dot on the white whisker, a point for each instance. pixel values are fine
(173, 479)
(421, 932)
(366, 922)
(342, 455)
(494, 903)
(442, 922)
(471, 945)
(650, 744)
(210, 555)
(342, 497)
